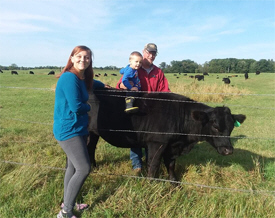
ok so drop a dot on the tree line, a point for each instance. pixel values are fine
(15, 67)
(228, 65)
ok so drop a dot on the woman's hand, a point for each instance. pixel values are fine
(107, 86)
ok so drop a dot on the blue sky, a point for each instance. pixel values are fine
(44, 32)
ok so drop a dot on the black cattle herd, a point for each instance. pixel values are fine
(226, 80)
(13, 72)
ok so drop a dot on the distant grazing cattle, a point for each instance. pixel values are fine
(226, 80)
(51, 72)
(13, 72)
(185, 74)
(113, 74)
(199, 77)
(1, 71)
(31, 72)
(167, 124)
(191, 77)
(234, 75)
(96, 75)
(105, 74)
(246, 75)
(258, 72)
(205, 74)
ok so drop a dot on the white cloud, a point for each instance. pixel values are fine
(11, 22)
(230, 32)
(12, 16)
(18, 27)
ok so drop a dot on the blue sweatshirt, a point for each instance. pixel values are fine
(130, 74)
(70, 108)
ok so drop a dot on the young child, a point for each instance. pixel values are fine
(131, 81)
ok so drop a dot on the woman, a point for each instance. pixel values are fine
(71, 122)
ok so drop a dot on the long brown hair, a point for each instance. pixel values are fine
(89, 72)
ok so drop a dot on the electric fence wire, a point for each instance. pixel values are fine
(251, 191)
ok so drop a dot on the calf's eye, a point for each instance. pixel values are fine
(215, 128)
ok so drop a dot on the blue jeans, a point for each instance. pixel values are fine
(136, 157)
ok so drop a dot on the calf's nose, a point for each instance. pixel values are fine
(225, 150)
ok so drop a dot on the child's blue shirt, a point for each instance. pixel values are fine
(130, 74)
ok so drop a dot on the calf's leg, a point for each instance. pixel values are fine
(170, 166)
(155, 152)
(92, 141)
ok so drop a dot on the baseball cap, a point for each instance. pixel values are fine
(151, 47)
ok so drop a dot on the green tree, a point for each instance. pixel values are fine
(189, 66)
(13, 67)
(162, 65)
(241, 66)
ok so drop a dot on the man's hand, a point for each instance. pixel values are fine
(134, 89)
(122, 86)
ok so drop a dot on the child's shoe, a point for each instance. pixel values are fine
(129, 105)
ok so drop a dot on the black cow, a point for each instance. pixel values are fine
(205, 74)
(114, 74)
(167, 124)
(1, 71)
(51, 72)
(13, 72)
(31, 72)
(258, 72)
(226, 80)
(199, 77)
(246, 75)
(105, 74)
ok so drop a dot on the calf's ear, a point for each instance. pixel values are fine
(239, 117)
(199, 116)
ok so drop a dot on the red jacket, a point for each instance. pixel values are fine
(155, 81)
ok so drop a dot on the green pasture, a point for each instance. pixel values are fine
(210, 185)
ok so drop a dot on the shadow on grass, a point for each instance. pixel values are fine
(201, 154)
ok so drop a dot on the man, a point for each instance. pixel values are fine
(152, 79)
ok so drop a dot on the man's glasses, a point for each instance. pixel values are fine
(152, 53)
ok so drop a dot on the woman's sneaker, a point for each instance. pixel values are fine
(78, 207)
(62, 214)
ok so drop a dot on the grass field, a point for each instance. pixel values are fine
(240, 185)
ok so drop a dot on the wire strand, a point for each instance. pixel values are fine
(252, 191)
